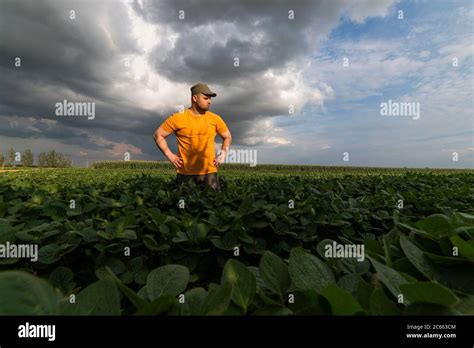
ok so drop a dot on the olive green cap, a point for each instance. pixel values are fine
(202, 88)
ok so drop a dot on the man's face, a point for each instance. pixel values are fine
(202, 100)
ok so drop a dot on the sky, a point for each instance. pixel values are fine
(311, 81)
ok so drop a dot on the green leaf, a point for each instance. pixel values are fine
(115, 265)
(274, 272)
(436, 225)
(416, 257)
(243, 282)
(193, 302)
(464, 248)
(458, 276)
(373, 247)
(127, 277)
(24, 294)
(38, 197)
(142, 294)
(466, 305)
(352, 265)
(389, 277)
(260, 224)
(342, 302)
(105, 235)
(158, 306)
(137, 264)
(117, 227)
(198, 233)
(7, 233)
(49, 254)
(466, 216)
(170, 280)
(357, 287)
(99, 298)
(141, 276)
(128, 234)
(61, 277)
(309, 302)
(429, 292)
(180, 237)
(261, 284)
(380, 304)
(228, 241)
(267, 299)
(308, 272)
(156, 216)
(150, 242)
(218, 299)
(416, 231)
(444, 260)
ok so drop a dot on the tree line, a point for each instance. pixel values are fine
(51, 159)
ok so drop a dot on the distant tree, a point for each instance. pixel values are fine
(11, 156)
(27, 158)
(2, 159)
(53, 159)
(42, 159)
(63, 161)
(50, 158)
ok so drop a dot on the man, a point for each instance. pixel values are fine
(195, 129)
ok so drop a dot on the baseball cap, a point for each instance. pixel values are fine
(202, 88)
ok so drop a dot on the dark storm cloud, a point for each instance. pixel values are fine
(55, 48)
(61, 57)
(66, 59)
(82, 59)
(201, 54)
(259, 33)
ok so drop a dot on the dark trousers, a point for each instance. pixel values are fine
(203, 180)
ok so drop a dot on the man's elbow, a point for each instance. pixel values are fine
(227, 136)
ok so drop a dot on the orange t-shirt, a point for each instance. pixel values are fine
(195, 136)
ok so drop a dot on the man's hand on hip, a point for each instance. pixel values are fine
(220, 159)
(177, 161)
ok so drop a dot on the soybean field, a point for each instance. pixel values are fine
(123, 239)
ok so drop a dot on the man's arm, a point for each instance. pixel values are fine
(227, 140)
(159, 136)
(227, 137)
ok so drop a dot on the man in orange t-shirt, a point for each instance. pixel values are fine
(195, 129)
